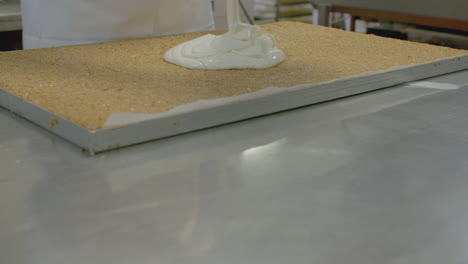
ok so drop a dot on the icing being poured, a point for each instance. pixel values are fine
(243, 46)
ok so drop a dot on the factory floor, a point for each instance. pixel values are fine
(375, 178)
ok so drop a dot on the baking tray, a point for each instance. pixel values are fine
(137, 128)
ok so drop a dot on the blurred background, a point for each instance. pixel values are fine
(439, 22)
(10, 25)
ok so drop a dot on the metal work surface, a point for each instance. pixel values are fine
(375, 178)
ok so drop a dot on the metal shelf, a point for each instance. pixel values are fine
(10, 16)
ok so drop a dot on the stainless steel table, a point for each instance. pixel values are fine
(376, 178)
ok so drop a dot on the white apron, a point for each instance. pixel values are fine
(53, 23)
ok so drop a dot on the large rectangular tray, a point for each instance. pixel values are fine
(202, 115)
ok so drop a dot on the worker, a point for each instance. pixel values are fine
(53, 23)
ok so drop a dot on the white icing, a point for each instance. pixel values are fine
(243, 46)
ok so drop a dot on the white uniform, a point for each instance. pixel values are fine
(53, 23)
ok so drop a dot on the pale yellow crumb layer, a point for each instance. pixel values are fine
(87, 83)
